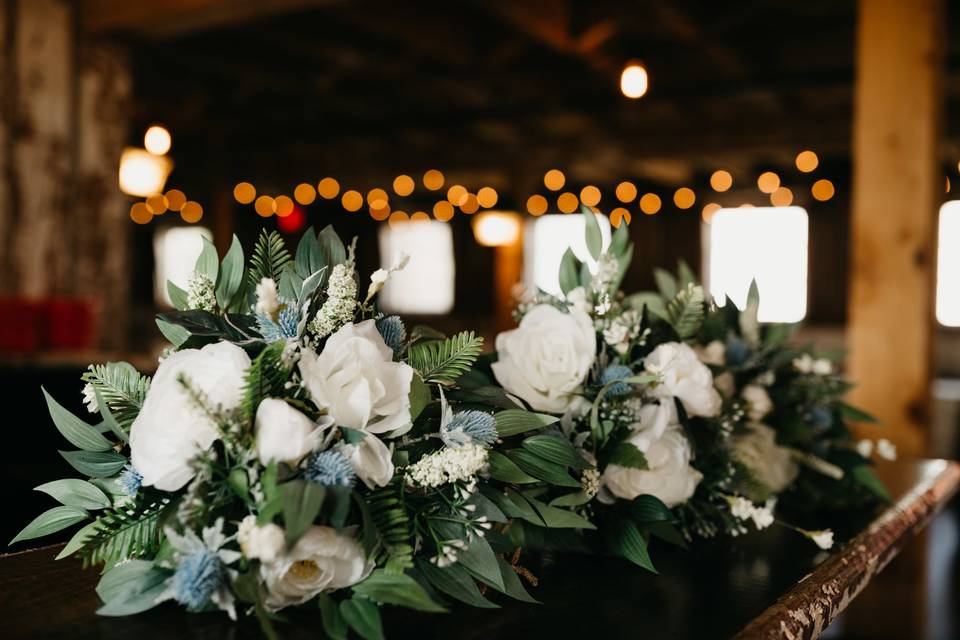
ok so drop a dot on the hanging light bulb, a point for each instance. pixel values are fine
(634, 80)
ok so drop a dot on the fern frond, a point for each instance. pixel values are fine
(121, 386)
(685, 311)
(393, 524)
(126, 531)
(444, 361)
(270, 256)
(265, 378)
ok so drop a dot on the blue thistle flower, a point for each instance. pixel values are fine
(393, 332)
(330, 469)
(613, 373)
(820, 417)
(130, 479)
(737, 351)
(197, 577)
(469, 427)
(286, 327)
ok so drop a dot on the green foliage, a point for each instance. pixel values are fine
(391, 524)
(95, 464)
(569, 272)
(685, 311)
(512, 422)
(265, 378)
(231, 275)
(625, 454)
(131, 587)
(363, 616)
(555, 449)
(443, 361)
(76, 431)
(270, 256)
(208, 263)
(592, 235)
(396, 588)
(301, 504)
(122, 387)
(79, 494)
(129, 530)
(625, 539)
(456, 582)
(51, 521)
(504, 469)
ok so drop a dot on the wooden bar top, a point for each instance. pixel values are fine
(769, 584)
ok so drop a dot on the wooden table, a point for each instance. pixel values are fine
(771, 584)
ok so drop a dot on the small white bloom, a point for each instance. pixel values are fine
(763, 516)
(886, 449)
(714, 353)
(267, 301)
(380, 276)
(200, 293)
(803, 364)
(822, 367)
(577, 297)
(668, 477)
(681, 374)
(740, 507)
(341, 303)
(758, 401)
(284, 434)
(766, 378)
(865, 448)
(653, 420)
(770, 464)
(823, 539)
(90, 398)
(447, 465)
(260, 542)
(371, 460)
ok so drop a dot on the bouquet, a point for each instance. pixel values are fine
(297, 445)
(697, 417)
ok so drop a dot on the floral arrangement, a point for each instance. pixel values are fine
(699, 419)
(297, 445)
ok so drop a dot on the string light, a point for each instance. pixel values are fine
(443, 211)
(554, 179)
(487, 197)
(807, 161)
(157, 204)
(419, 216)
(351, 200)
(283, 206)
(397, 218)
(328, 188)
(469, 204)
(176, 199)
(684, 198)
(634, 80)
(380, 213)
(590, 195)
(619, 216)
(140, 214)
(768, 182)
(456, 194)
(264, 206)
(403, 185)
(191, 212)
(141, 173)
(721, 180)
(823, 190)
(626, 192)
(650, 203)
(567, 202)
(433, 180)
(708, 210)
(781, 197)
(536, 205)
(244, 192)
(375, 196)
(496, 228)
(157, 140)
(305, 193)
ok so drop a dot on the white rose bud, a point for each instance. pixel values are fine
(668, 477)
(264, 543)
(371, 460)
(283, 434)
(681, 375)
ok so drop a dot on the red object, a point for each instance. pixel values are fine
(293, 222)
(61, 324)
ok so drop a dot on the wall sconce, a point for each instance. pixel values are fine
(142, 173)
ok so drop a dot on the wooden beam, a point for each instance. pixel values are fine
(897, 186)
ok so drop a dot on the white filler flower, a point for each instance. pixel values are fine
(770, 464)
(681, 375)
(545, 359)
(355, 380)
(260, 542)
(668, 477)
(170, 430)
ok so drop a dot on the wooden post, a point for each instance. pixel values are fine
(897, 184)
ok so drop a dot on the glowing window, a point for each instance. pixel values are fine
(175, 253)
(426, 285)
(768, 244)
(547, 239)
(948, 265)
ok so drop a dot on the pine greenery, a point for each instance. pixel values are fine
(685, 311)
(390, 517)
(270, 256)
(265, 378)
(126, 531)
(443, 361)
(122, 387)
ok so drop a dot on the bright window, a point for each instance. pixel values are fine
(547, 239)
(175, 252)
(768, 244)
(426, 285)
(948, 265)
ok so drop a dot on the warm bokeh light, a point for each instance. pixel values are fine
(487, 197)
(626, 192)
(294, 222)
(554, 179)
(650, 203)
(377, 197)
(781, 197)
(157, 204)
(684, 198)
(634, 80)
(721, 180)
(328, 188)
(429, 246)
(397, 218)
(708, 210)
(264, 206)
(140, 214)
(433, 180)
(419, 216)
(619, 216)
(590, 195)
(456, 194)
(823, 190)
(191, 212)
(469, 204)
(948, 265)
(403, 185)
(283, 206)
(305, 193)
(351, 200)
(244, 192)
(380, 213)
(157, 140)
(496, 228)
(176, 199)
(443, 211)
(807, 161)
(768, 182)
(947, 190)
(536, 205)
(545, 241)
(141, 173)
(567, 202)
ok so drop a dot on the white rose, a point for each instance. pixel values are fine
(669, 476)
(321, 560)
(545, 359)
(265, 543)
(171, 430)
(654, 419)
(682, 375)
(758, 401)
(267, 300)
(770, 464)
(357, 382)
(284, 434)
(371, 461)
(822, 367)
(714, 353)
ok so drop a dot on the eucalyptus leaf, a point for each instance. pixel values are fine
(207, 263)
(419, 396)
(95, 464)
(131, 587)
(301, 504)
(72, 492)
(51, 521)
(176, 334)
(569, 272)
(76, 431)
(514, 421)
(231, 274)
(178, 297)
(666, 283)
(592, 235)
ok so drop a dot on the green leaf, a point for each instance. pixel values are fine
(574, 499)
(301, 504)
(592, 233)
(649, 299)
(75, 493)
(131, 587)
(505, 470)
(667, 532)
(363, 617)
(513, 421)
(396, 588)
(231, 274)
(620, 240)
(647, 508)
(541, 514)
(51, 521)
(129, 530)
(310, 258)
(332, 246)
(419, 397)
(625, 539)
(333, 623)
(480, 560)
(666, 283)
(856, 415)
(555, 449)
(77, 541)
(487, 508)
(122, 387)
(685, 312)
(178, 297)
(270, 256)
(511, 581)
(95, 464)
(76, 431)
(685, 273)
(865, 476)
(456, 582)
(443, 361)
(176, 334)
(207, 263)
(290, 283)
(541, 469)
(569, 272)
(627, 455)
(109, 421)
